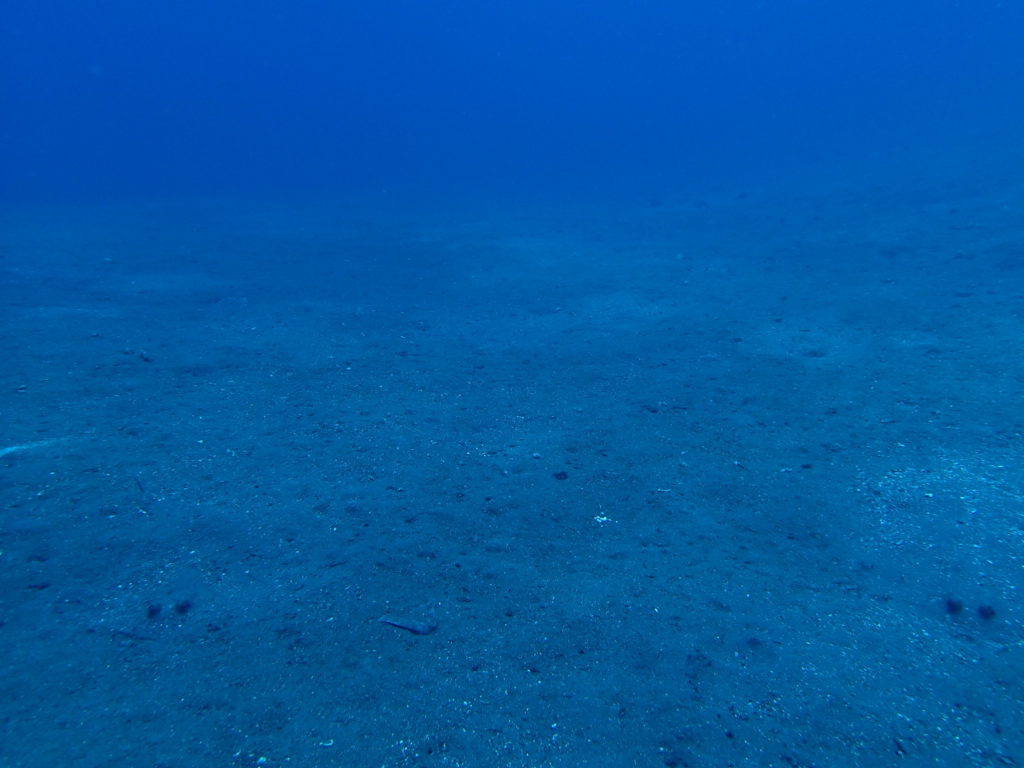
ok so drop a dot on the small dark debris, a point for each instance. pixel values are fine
(986, 612)
(182, 607)
(561, 475)
(153, 610)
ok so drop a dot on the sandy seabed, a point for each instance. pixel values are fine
(732, 482)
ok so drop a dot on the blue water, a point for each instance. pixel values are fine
(456, 99)
(511, 384)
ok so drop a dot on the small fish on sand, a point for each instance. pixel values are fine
(31, 446)
(415, 626)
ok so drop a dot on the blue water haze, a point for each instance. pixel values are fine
(453, 98)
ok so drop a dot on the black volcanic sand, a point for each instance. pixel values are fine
(695, 483)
